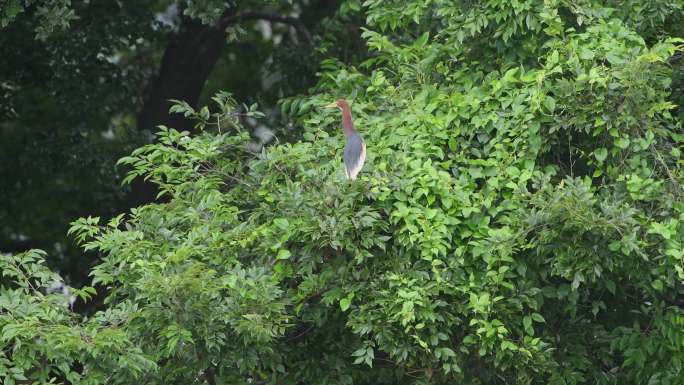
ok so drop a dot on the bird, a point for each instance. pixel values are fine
(355, 149)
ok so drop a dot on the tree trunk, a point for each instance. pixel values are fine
(186, 64)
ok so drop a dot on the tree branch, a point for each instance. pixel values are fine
(293, 21)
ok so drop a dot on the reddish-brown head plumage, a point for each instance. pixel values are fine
(347, 124)
(342, 104)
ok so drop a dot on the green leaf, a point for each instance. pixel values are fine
(657, 284)
(281, 223)
(586, 54)
(527, 323)
(601, 154)
(550, 103)
(622, 142)
(283, 254)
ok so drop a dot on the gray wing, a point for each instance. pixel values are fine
(354, 155)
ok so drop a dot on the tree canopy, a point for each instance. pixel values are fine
(518, 219)
(84, 83)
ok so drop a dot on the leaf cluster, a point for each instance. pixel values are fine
(518, 219)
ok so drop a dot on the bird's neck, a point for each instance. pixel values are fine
(347, 124)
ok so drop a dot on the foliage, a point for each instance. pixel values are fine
(518, 220)
(43, 339)
(51, 15)
(76, 74)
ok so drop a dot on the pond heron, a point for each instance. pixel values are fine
(355, 149)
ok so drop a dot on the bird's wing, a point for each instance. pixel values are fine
(354, 155)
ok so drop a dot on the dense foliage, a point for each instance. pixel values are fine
(83, 83)
(518, 219)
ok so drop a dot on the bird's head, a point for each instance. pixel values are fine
(339, 103)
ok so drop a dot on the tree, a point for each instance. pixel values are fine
(518, 219)
(84, 83)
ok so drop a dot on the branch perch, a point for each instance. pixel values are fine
(293, 21)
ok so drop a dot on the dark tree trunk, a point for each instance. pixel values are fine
(186, 64)
(14, 247)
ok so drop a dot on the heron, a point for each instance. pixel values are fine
(355, 149)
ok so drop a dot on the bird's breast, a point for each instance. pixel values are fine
(354, 155)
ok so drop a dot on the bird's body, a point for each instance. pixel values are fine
(355, 149)
(354, 155)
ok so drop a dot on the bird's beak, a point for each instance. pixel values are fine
(331, 105)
